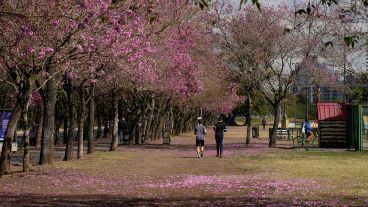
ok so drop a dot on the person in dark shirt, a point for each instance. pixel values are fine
(219, 128)
(264, 123)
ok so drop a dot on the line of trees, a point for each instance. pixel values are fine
(86, 63)
(80, 64)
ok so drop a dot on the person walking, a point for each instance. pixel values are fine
(305, 131)
(200, 132)
(264, 123)
(219, 128)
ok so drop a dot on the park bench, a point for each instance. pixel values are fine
(281, 133)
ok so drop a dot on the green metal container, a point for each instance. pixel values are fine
(364, 127)
(354, 127)
(358, 127)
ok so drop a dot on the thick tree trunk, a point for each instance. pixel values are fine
(106, 129)
(21, 105)
(132, 137)
(72, 113)
(99, 126)
(155, 128)
(81, 122)
(57, 132)
(7, 143)
(91, 121)
(182, 124)
(66, 126)
(26, 141)
(275, 125)
(249, 118)
(160, 128)
(187, 124)
(27, 129)
(138, 126)
(144, 130)
(80, 134)
(39, 128)
(115, 134)
(71, 133)
(47, 145)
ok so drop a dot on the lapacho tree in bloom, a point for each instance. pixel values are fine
(41, 41)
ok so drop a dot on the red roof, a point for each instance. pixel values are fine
(332, 111)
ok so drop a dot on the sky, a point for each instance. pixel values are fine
(359, 58)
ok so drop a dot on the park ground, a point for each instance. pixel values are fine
(157, 175)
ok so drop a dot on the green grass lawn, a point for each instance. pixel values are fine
(340, 175)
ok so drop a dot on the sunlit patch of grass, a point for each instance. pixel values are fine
(342, 174)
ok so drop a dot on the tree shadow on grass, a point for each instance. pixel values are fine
(179, 147)
(191, 147)
(116, 200)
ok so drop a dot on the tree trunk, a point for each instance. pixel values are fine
(276, 109)
(99, 126)
(21, 105)
(80, 134)
(115, 130)
(7, 143)
(57, 132)
(26, 140)
(91, 121)
(182, 124)
(66, 126)
(138, 125)
(249, 118)
(27, 129)
(155, 126)
(72, 113)
(47, 145)
(160, 127)
(39, 128)
(71, 132)
(81, 122)
(106, 129)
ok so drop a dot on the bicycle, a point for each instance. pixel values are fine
(312, 138)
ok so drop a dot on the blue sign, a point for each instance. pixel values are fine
(4, 118)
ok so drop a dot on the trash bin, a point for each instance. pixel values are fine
(255, 132)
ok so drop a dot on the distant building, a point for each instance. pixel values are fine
(305, 85)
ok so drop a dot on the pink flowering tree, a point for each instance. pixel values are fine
(45, 45)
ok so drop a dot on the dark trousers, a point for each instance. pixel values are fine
(219, 144)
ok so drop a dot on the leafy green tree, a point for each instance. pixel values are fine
(358, 95)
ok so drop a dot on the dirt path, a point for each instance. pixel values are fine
(157, 175)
